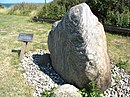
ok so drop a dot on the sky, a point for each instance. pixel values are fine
(27, 1)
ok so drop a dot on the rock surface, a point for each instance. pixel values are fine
(67, 90)
(77, 44)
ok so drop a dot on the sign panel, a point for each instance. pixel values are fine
(25, 37)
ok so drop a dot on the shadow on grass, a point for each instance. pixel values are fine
(17, 51)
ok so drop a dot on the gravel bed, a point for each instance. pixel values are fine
(120, 83)
(40, 77)
(43, 77)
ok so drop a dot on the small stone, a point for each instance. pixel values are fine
(67, 90)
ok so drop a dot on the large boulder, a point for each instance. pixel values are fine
(78, 48)
(67, 90)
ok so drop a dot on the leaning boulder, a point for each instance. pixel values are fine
(78, 48)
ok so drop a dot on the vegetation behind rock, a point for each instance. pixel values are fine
(110, 12)
(1, 6)
(24, 9)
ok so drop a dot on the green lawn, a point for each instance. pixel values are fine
(119, 49)
(11, 82)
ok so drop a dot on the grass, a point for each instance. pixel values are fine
(11, 82)
(119, 49)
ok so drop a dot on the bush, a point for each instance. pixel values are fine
(118, 19)
(1, 6)
(110, 12)
(68, 3)
(52, 11)
(22, 9)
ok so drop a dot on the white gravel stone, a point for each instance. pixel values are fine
(37, 76)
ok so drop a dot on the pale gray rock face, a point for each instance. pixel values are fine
(67, 90)
(78, 48)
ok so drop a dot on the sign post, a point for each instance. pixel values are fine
(25, 38)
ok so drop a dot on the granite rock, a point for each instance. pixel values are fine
(78, 48)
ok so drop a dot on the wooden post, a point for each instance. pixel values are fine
(23, 50)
